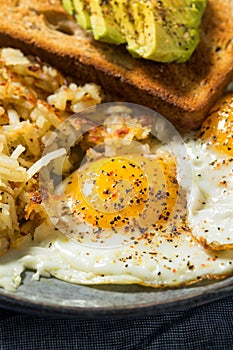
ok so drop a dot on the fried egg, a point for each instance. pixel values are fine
(110, 201)
(130, 217)
(210, 205)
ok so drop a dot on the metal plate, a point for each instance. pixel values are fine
(56, 298)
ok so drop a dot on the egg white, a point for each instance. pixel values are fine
(162, 262)
(211, 196)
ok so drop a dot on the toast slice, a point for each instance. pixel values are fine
(182, 92)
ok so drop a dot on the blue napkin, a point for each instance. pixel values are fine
(204, 327)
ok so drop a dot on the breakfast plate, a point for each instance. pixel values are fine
(54, 297)
(40, 240)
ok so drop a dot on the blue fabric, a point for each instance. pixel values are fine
(204, 327)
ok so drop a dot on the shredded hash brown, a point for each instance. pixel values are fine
(34, 99)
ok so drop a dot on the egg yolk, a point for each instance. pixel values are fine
(218, 127)
(110, 193)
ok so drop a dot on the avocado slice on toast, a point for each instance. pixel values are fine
(104, 26)
(164, 31)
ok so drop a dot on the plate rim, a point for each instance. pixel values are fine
(23, 305)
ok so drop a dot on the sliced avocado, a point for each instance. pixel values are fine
(104, 26)
(124, 18)
(140, 29)
(167, 30)
(164, 31)
(82, 13)
(68, 6)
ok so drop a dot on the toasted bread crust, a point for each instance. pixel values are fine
(183, 93)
